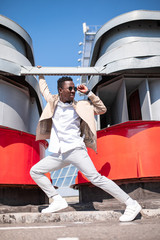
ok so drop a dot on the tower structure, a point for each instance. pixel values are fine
(89, 35)
(20, 108)
(128, 47)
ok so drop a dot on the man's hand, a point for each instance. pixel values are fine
(82, 88)
(40, 76)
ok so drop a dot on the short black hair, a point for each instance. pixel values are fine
(61, 81)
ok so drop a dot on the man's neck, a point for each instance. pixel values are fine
(64, 101)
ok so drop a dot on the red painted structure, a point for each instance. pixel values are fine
(18, 153)
(127, 151)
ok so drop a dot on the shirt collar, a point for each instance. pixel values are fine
(60, 103)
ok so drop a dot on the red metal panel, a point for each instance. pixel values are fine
(127, 151)
(18, 153)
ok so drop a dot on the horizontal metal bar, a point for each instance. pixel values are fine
(79, 71)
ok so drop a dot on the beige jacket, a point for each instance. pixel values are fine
(85, 109)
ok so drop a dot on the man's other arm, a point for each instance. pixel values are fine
(99, 107)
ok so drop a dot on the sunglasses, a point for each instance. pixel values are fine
(74, 88)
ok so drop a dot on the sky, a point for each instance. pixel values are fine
(55, 26)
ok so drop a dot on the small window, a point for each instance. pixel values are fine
(71, 171)
(67, 181)
(59, 182)
(64, 171)
(56, 173)
(73, 180)
(54, 182)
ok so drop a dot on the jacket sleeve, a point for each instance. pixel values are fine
(44, 88)
(99, 107)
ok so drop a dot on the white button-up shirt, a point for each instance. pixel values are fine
(65, 133)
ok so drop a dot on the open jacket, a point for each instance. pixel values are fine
(84, 108)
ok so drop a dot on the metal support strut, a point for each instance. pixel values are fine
(77, 71)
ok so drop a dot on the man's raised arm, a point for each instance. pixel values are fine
(44, 87)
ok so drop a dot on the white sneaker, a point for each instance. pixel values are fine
(56, 206)
(131, 212)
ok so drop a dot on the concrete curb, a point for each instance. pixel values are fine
(58, 217)
(149, 213)
(81, 216)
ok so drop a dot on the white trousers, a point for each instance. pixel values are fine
(80, 159)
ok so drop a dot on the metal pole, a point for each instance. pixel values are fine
(79, 71)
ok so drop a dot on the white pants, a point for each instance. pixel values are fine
(80, 159)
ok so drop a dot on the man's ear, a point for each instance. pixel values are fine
(60, 90)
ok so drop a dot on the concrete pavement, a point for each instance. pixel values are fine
(76, 212)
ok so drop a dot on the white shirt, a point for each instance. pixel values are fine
(65, 132)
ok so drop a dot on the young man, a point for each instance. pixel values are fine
(70, 125)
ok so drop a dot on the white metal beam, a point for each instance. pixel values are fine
(79, 71)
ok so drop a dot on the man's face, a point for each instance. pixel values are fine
(67, 95)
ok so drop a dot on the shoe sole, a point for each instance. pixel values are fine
(139, 208)
(58, 209)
